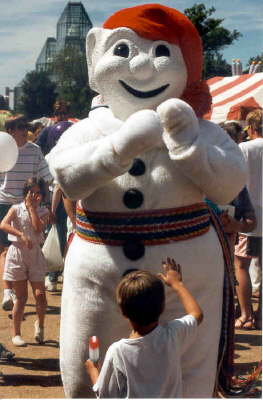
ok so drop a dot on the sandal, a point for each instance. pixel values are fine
(248, 324)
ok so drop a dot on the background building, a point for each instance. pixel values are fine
(46, 55)
(72, 28)
(71, 31)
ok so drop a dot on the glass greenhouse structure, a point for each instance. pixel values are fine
(72, 28)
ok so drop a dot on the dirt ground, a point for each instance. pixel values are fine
(34, 372)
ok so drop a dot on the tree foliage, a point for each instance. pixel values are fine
(215, 38)
(38, 95)
(71, 75)
(256, 59)
(3, 103)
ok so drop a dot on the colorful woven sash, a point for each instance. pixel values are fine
(149, 227)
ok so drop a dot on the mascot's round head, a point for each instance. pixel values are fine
(153, 52)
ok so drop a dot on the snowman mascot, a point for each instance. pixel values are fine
(140, 167)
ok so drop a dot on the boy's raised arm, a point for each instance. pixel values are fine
(172, 277)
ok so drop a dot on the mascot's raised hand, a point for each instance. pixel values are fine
(180, 124)
(140, 167)
(141, 132)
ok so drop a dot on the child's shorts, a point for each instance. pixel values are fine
(248, 246)
(24, 264)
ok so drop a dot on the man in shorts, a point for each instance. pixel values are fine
(250, 244)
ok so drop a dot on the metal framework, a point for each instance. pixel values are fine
(72, 28)
(46, 55)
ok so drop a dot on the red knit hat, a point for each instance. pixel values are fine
(158, 22)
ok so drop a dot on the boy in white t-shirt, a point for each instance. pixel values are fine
(148, 363)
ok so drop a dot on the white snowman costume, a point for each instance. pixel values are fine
(141, 169)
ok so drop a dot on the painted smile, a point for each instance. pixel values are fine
(143, 95)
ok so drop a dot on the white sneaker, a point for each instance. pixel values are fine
(39, 333)
(18, 341)
(50, 286)
(47, 281)
(8, 300)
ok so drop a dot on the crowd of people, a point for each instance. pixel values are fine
(245, 226)
(31, 201)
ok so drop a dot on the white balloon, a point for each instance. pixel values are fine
(8, 152)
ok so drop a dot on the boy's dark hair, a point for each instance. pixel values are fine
(31, 182)
(141, 296)
(14, 122)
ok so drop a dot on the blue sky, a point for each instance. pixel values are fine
(25, 25)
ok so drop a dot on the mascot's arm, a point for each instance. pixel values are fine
(81, 163)
(203, 152)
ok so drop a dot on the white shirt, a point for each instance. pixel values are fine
(253, 151)
(30, 163)
(149, 366)
(23, 223)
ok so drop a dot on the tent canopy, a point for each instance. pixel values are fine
(233, 97)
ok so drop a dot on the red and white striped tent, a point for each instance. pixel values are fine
(233, 97)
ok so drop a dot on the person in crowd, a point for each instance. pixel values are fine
(234, 129)
(255, 273)
(64, 240)
(34, 131)
(24, 223)
(65, 230)
(49, 136)
(147, 364)
(5, 354)
(70, 207)
(243, 218)
(30, 163)
(250, 244)
(4, 115)
(59, 217)
(47, 140)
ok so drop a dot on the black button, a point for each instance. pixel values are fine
(133, 249)
(133, 198)
(138, 167)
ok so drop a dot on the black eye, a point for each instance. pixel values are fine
(162, 51)
(121, 50)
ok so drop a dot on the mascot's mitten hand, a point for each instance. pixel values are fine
(180, 124)
(141, 132)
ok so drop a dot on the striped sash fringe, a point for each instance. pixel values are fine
(150, 228)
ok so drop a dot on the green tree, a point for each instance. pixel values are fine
(215, 38)
(71, 75)
(3, 103)
(38, 95)
(257, 59)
